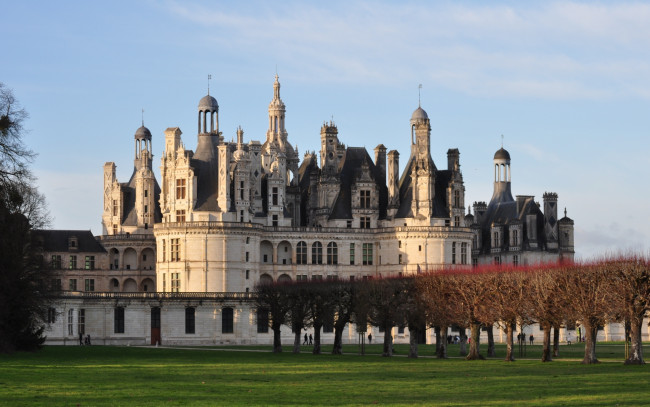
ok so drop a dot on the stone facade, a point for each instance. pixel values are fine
(230, 215)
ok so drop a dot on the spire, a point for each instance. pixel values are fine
(209, 77)
(143, 117)
(276, 88)
(419, 95)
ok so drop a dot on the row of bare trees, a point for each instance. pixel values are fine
(553, 295)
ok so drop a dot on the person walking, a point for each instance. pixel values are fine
(311, 340)
(305, 342)
(532, 338)
(81, 339)
(369, 339)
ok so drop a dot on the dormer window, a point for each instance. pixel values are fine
(364, 197)
(72, 242)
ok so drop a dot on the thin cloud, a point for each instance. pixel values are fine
(562, 50)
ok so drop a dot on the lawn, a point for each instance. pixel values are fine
(102, 375)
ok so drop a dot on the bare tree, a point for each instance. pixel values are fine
(343, 297)
(386, 298)
(437, 295)
(299, 299)
(589, 290)
(274, 298)
(631, 275)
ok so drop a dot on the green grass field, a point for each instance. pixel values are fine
(98, 375)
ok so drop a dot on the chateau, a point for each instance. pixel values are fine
(177, 260)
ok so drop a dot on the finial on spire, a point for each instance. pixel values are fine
(143, 117)
(209, 77)
(419, 89)
(502, 141)
(565, 211)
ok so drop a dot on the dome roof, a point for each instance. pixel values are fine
(419, 114)
(502, 154)
(142, 133)
(208, 103)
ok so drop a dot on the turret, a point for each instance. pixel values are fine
(550, 220)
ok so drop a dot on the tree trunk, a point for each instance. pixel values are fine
(475, 331)
(635, 356)
(414, 333)
(316, 350)
(441, 352)
(436, 329)
(556, 341)
(388, 342)
(546, 351)
(509, 343)
(591, 330)
(277, 341)
(296, 339)
(338, 340)
(490, 334)
(462, 350)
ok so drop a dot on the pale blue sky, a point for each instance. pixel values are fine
(566, 83)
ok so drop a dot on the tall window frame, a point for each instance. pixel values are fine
(332, 253)
(301, 253)
(317, 253)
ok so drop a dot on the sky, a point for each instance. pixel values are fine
(566, 83)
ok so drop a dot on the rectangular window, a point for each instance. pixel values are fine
(274, 221)
(115, 207)
(364, 222)
(247, 256)
(146, 209)
(164, 287)
(190, 320)
(351, 253)
(399, 259)
(262, 321)
(180, 189)
(317, 253)
(227, 321)
(55, 284)
(301, 253)
(114, 229)
(90, 262)
(274, 196)
(247, 274)
(176, 282)
(73, 262)
(90, 284)
(175, 246)
(349, 224)
(497, 260)
(317, 277)
(367, 254)
(399, 244)
(180, 215)
(81, 321)
(515, 260)
(56, 261)
(453, 252)
(71, 322)
(146, 193)
(364, 197)
(457, 221)
(51, 315)
(118, 320)
(72, 284)
(463, 253)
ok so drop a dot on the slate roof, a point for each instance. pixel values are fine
(440, 200)
(349, 167)
(205, 165)
(57, 241)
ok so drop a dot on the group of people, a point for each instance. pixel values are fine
(311, 339)
(521, 338)
(455, 339)
(84, 340)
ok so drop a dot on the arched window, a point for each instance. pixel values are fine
(301, 253)
(332, 253)
(317, 253)
(227, 321)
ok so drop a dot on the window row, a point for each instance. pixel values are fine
(174, 250)
(332, 254)
(57, 263)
